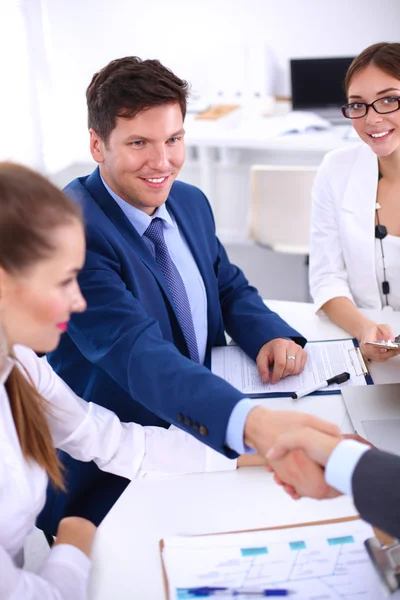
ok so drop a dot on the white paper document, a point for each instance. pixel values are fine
(318, 562)
(324, 360)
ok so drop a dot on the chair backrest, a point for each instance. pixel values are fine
(281, 206)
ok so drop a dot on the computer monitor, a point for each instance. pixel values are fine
(318, 82)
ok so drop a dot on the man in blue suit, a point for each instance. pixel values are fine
(160, 289)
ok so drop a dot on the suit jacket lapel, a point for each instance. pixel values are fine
(95, 187)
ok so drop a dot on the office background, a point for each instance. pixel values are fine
(228, 50)
(49, 49)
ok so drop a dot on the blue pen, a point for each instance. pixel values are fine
(224, 591)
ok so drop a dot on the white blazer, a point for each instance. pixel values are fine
(342, 247)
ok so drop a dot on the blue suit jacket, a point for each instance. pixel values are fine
(127, 351)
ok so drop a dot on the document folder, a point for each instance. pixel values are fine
(302, 556)
(326, 358)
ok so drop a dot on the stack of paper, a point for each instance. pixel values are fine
(324, 360)
(316, 562)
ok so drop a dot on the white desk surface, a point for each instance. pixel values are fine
(238, 131)
(126, 559)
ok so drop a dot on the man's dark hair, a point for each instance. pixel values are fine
(128, 85)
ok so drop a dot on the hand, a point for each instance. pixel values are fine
(318, 447)
(316, 444)
(377, 333)
(278, 352)
(251, 460)
(77, 532)
(301, 477)
(262, 426)
(290, 489)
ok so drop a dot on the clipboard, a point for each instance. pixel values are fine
(355, 356)
(359, 357)
(357, 361)
(381, 536)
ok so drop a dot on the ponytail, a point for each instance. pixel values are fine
(28, 409)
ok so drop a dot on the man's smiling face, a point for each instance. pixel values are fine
(143, 155)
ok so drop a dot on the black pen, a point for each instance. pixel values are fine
(322, 384)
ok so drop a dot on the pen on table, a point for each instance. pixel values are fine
(224, 591)
(322, 384)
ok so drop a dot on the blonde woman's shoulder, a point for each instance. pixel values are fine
(29, 362)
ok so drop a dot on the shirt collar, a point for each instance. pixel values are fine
(138, 218)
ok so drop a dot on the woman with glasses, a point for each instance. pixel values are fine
(355, 228)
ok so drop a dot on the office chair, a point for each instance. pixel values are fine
(281, 207)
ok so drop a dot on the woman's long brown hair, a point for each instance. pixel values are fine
(31, 208)
(384, 55)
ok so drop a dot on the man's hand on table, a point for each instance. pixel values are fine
(286, 357)
(295, 468)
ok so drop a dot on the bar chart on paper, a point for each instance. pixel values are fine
(321, 562)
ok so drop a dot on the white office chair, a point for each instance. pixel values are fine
(281, 207)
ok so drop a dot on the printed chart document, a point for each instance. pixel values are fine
(317, 562)
(325, 359)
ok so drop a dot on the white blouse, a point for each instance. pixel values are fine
(87, 432)
(391, 250)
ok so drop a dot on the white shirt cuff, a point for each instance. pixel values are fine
(68, 569)
(236, 424)
(342, 463)
(71, 555)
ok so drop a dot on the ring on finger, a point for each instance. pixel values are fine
(290, 357)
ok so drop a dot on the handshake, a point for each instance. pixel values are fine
(296, 448)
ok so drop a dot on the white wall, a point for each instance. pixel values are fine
(208, 42)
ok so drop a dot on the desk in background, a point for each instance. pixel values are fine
(219, 156)
(224, 150)
(126, 558)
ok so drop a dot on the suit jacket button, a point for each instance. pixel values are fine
(188, 422)
(196, 426)
(203, 430)
(180, 417)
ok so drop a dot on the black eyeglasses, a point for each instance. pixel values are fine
(356, 110)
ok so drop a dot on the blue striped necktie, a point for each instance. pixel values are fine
(175, 284)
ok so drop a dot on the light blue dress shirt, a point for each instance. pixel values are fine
(191, 277)
(342, 463)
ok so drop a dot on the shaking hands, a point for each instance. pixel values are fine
(301, 473)
(318, 447)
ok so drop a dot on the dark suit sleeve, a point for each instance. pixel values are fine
(376, 490)
(116, 334)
